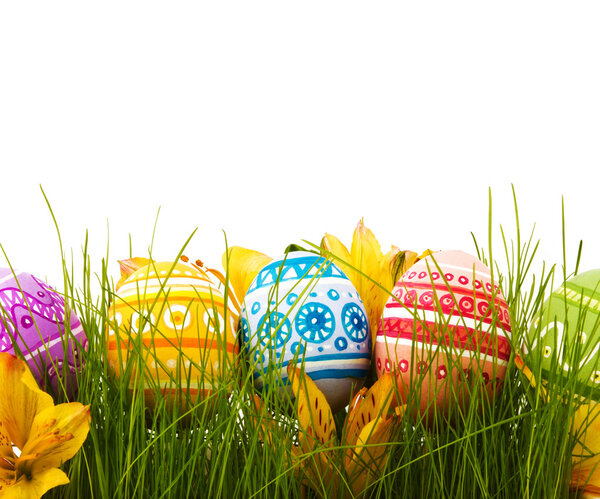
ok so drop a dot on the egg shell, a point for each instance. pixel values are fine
(301, 306)
(445, 324)
(563, 346)
(187, 334)
(566, 334)
(33, 315)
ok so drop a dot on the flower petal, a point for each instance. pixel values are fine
(376, 432)
(400, 263)
(366, 256)
(331, 246)
(378, 292)
(524, 369)
(20, 399)
(264, 420)
(393, 264)
(7, 458)
(35, 486)
(242, 266)
(372, 273)
(372, 276)
(316, 436)
(320, 472)
(591, 493)
(314, 414)
(371, 453)
(7, 465)
(585, 474)
(586, 453)
(129, 266)
(56, 435)
(370, 406)
(364, 266)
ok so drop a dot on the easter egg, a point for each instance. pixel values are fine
(562, 346)
(566, 334)
(445, 325)
(33, 323)
(171, 319)
(302, 308)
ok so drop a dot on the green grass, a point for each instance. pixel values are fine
(518, 446)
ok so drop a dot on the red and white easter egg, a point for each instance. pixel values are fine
(446, 328)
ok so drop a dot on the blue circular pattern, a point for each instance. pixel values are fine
(291, 299)
(355, 322)
(297, 348)
(341, 343)
(274, 330)
(245, 330)
(315, 322)
(255, 307)
(259, 358)
(333, 295)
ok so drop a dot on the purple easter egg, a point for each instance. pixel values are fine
(32, 315)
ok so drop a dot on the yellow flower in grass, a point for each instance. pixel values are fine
(129, 266)
(586, 453)
(46, 435)
(331, 467)
(373, 273)
(585, 460)
(242, 266)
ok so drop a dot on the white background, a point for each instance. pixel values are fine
(280, 121)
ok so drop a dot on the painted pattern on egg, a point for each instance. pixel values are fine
(33, 315)
(566, 334)
(445, 313)
(188, 336)
(302, 306)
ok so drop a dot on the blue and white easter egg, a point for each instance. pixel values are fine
(302, 308)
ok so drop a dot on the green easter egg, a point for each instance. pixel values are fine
(565, 337)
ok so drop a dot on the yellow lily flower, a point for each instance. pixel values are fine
(46, 435)
(129, 266)
(243, 265)
(355, 462)
(586, 452)
(372, 273)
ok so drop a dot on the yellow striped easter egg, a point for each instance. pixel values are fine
(173, 317)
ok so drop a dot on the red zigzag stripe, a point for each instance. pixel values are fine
(460, 336)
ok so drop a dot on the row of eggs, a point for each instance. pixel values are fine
(446, 322)
(303, 308)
